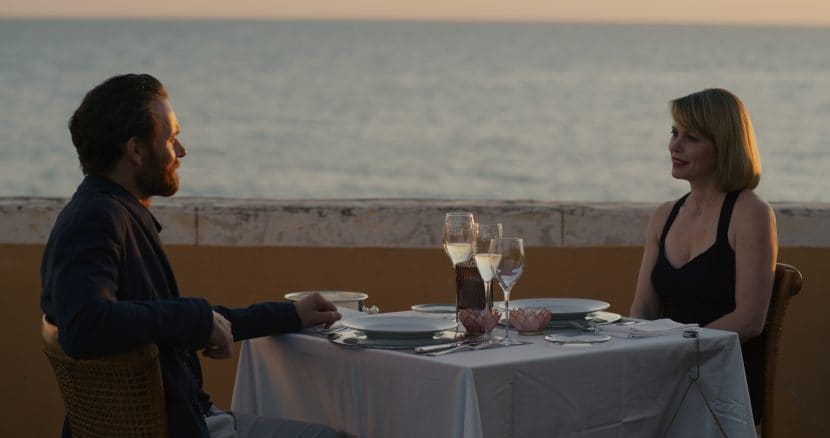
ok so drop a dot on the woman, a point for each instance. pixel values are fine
(710, 256)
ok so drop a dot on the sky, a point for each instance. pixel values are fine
(749, 12)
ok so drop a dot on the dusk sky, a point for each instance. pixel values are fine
(777, 12)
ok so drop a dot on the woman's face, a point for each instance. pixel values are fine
(693, 156)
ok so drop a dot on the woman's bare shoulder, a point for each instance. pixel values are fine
(661, 213)
(659, 216)
(750, 208)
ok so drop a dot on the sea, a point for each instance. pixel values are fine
(437, 110)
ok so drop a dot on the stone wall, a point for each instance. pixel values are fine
(392, 223)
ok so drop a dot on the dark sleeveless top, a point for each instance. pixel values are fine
(703, 290)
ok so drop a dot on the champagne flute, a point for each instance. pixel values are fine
(508, 262)
(458, 241)
(481, 247)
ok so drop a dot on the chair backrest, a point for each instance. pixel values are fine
(113, 396)
(788, 282)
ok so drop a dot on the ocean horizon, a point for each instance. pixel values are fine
(296, 109)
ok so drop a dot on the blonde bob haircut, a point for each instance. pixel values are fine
(722, 118)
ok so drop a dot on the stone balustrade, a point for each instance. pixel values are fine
(392, 223)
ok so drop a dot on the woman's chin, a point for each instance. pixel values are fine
(678, 174)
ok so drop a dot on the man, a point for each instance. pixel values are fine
(107, 283)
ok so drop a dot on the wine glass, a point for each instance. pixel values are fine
(481, 250)
(507, 261)
(459, 233)
(458, 236)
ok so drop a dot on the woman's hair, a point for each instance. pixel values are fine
(110, 114)
(721, 117)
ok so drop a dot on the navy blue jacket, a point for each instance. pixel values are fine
(108, 286)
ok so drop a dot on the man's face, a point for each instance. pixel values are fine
(157, 174)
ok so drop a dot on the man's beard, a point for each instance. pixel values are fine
(154, 179)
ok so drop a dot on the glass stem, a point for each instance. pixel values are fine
(507, 315)
(488, 307)
(488, 302)
(457, 285)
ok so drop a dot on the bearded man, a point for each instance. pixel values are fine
(107, 283)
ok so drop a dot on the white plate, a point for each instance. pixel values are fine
(569, 338)
(434, 308)
(592, 318)
(354, 338)
(399, 327)
(561, 308)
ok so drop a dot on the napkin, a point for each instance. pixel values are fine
(645, 329)
(350, 313)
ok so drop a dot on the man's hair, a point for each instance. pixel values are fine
(722, 118)
(110, 114)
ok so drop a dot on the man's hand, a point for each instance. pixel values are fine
(315, 310)
(221, 339)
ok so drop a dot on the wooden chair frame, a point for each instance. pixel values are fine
(788, 283)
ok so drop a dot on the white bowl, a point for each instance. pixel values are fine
(346, 299)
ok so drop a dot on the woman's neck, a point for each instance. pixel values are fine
(704, 197)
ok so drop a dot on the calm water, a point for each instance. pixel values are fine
(437, 110)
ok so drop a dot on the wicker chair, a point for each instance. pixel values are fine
(788, 282)
(112, 396)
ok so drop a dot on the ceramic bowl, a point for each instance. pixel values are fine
(530, 320)
(346, 299)
(478, 321)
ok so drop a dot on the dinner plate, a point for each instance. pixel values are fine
(398, 326)
(354, 338)
(580, 338)
(434, 308)
(561, 309)
(591, 318)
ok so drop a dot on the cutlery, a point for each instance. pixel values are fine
(627, 321)
(327, 331)
(593, 327)
(333, 330)
(463, 347)
(431, 348)
(479, 346)
(584, 325)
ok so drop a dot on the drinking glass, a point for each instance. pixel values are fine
(507, 262)
(459, 234)
(484, 233)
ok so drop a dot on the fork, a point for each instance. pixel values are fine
(336, 327)
(588, 326)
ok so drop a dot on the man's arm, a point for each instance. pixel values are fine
(103, 327)
(261, 319)
(270, 318)
(81, 273)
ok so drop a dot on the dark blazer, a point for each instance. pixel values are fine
(108, 286)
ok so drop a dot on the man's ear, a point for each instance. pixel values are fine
(134, 151)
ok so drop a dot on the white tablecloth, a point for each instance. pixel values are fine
(621, 388)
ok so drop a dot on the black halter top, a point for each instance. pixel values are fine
(703, 290)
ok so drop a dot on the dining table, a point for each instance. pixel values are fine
(659, 386)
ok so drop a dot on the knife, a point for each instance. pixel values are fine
(431, 348)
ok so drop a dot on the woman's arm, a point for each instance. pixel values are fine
(646, 304)
(756, 251)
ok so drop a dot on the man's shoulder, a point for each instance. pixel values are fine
(92, 208)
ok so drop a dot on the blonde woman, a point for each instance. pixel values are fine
(710, 256)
